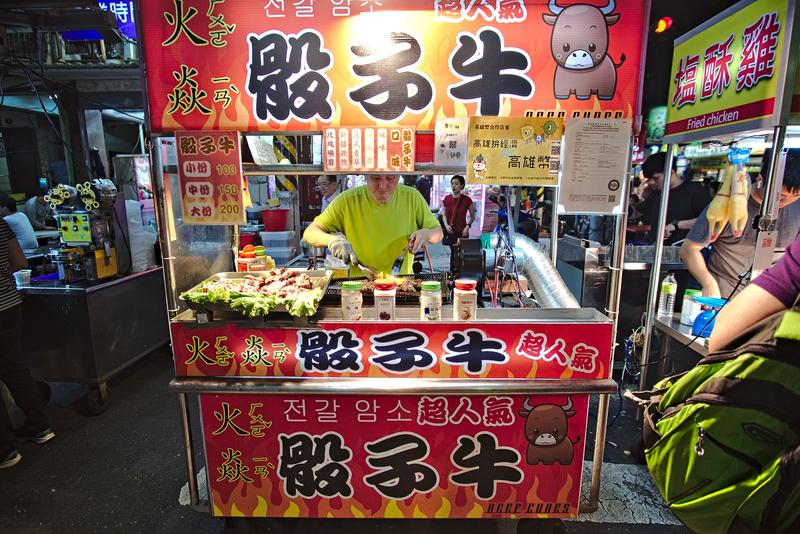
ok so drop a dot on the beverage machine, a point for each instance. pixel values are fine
(85, 218)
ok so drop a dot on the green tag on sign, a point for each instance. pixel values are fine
(789, 327)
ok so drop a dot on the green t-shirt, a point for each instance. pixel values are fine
(377, 232)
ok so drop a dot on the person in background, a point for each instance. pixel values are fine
(38, 211)
(776, 289)
(328, 188)
(730, 256)
(18, 222)
(13, 371)
(424, 184)
(457, 206)
(686, 201)
(633, 203)
(379, 221)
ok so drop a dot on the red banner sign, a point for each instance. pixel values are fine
(369, 149)
(401, 456)
(375, 349)
(210, 171)
(251, 65)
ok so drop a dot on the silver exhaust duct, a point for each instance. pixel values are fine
(547, 286)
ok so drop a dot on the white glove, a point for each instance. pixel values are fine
(340, 247)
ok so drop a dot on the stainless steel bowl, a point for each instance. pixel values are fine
(311, 251)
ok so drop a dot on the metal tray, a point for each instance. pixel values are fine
(319, 278)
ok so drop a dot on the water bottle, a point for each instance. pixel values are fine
(666, 298)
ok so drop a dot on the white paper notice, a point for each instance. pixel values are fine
(451, 142)
(595, 163)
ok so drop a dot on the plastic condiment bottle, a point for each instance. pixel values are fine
(260, 261)
(465, 300)
(352, 300)
(690, 308)
(245, 260)
(430, 301)
(385, 293)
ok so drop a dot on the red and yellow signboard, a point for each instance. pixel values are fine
(730, 73)
(252, 65)
(210, 171)
(379, 349)
(411, 457)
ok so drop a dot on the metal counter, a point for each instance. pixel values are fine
(87, 333)
(411, 314)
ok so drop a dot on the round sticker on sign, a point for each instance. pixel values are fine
(613, 185)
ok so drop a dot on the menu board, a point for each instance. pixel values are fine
(368, 149)
(210, 172)
(594, 165)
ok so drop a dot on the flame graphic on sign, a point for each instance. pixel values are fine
(263, 499)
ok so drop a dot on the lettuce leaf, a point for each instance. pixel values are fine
(306, 303)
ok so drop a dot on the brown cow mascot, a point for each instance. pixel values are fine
(579, 44)
(546, 428)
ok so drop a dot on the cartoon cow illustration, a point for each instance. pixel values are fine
(579, 44)
(546, 428)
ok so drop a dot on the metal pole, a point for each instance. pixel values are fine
(615, 290)
(163, 222)
(142, 149)
(194, 495)
(652, 293)
(772, 186)
(599, 450)
(554, 227)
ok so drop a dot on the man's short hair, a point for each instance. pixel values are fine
(460, 180)
(655, 164)
(791, 176)
(8, 203)
(791, 173)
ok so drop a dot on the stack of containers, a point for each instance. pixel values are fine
(281, 246)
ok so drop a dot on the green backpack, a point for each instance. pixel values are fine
(722, 440)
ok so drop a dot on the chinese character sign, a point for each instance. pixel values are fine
(368, 149)
(274, 65)
(333, 349)
(514, 150)
(429, 456)
(731, 72)
(210, 171)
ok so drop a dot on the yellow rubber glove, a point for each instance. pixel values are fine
(717, 213)
(737, 207)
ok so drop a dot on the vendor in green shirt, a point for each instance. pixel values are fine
(378, 221)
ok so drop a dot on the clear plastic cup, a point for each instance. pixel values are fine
(23, 277)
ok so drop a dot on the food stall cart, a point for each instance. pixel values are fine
(305, 414)
(93, 330)
(733, 79)
(94, 317)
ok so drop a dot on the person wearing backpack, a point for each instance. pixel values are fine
(722, 440)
